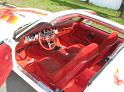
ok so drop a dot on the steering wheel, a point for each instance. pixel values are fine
(47, 38)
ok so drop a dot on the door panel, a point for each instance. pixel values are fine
(92, 34)
(5, 62)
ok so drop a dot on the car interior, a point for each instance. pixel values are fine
(67, 53)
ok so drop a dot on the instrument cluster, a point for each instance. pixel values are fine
(45, 34)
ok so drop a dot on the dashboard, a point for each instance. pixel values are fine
(58, 29)
(31, 37)
(45, 35)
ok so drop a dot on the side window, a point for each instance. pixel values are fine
(101, 27)
(98, 26)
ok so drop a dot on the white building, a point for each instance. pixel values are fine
(113, 4)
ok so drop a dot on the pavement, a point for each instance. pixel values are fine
(15, 84)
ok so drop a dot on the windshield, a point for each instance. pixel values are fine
(22, 28)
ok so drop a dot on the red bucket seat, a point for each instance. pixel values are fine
(66, 72)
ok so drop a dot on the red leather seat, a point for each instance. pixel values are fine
(105, 46)
(79, 62)
(66, 72)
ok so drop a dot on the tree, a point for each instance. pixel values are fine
(122, 9)
(87, 1)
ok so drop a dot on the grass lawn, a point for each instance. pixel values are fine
(58, 5)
